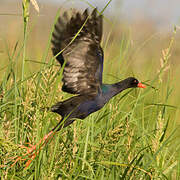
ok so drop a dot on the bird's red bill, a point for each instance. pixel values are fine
(140, 85)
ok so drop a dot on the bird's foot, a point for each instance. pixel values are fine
(32, 150)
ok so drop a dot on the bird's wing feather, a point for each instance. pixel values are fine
(78, 37)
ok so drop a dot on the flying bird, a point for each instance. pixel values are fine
(79, 37)
(76, 45)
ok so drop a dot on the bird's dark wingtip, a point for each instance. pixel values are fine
(94, 12)
(86, 12)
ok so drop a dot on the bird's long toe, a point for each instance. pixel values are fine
(32, 150)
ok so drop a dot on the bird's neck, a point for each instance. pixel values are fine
(110, 90)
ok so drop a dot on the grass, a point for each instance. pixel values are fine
(135, 136)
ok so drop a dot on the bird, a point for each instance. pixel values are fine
(76, 45)
(83, 69)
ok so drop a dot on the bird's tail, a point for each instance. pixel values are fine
(65, 121)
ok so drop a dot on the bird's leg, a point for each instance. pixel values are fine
(33, 150)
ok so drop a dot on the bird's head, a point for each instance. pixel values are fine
(133, 82)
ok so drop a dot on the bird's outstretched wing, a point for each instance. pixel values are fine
(78, 37)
